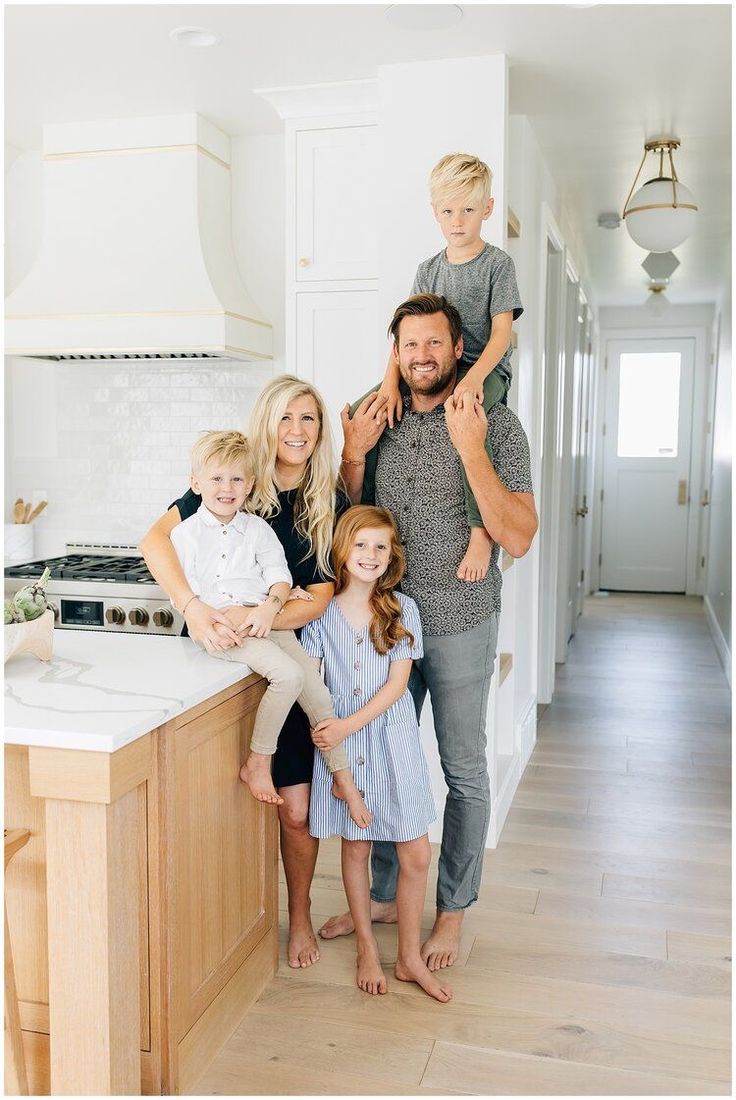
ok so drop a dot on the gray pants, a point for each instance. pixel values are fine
(456, 670)
(292, 678)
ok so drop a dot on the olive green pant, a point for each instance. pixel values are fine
(495, 388)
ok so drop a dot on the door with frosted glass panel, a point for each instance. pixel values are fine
(646, 465)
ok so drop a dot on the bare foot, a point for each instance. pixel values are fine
(371, 978)
(256, 773)
(302, 950)
(343, 787)
(415, 971)
(382, 912)
(441, 949)
(474, 565)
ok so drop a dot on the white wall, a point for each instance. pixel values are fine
(110, 442)
(718, 561)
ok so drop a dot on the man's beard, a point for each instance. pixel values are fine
(438, 383)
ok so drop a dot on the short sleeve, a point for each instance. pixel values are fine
(505, 297)
(417, 287)
(311, 639)
(188, 505)
(404, 650)
(511, 458)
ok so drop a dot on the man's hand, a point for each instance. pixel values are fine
(330, 733)
(366, 427)
(215, 630)
(467, 424)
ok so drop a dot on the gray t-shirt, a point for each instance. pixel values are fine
(479, 289)
(419, 479)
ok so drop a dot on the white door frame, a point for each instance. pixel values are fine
(697, 474)
(549, 445)
(571, 339)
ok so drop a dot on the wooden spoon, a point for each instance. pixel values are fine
(26, 513)
(37, 511)
(18, 510)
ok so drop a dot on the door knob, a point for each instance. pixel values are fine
(706, 500)
(303, 262)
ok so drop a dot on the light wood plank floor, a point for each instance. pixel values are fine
(597, 960)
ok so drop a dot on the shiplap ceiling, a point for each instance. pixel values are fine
(594, 80)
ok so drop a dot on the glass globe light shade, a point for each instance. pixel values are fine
(667, 226)
(657, 304)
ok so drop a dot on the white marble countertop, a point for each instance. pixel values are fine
(102, 690)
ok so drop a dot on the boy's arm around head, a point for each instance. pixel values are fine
(161, 558)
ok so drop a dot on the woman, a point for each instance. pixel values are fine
(296, 492)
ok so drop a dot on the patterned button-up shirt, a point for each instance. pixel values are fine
(419, 479)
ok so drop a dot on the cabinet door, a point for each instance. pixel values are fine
(336, 173)
(338, 347)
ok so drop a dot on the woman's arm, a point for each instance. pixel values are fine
(298, 613)
(160, 557)
(331, 732)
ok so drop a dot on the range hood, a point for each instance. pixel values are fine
(136, 260)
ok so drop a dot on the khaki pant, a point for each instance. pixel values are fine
(292, 678)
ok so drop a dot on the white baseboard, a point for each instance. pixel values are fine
(524, 741)
(724, 653)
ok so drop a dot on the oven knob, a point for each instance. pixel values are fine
(163, 617)
(138, 616)
(115, 615)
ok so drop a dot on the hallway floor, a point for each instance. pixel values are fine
(597, 960)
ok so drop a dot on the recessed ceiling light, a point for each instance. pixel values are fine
(423, 17)
(194, 36)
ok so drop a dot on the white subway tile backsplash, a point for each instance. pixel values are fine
(117, 440)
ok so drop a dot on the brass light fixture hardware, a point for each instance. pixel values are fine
(661, 214)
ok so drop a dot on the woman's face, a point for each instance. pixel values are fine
(298, 433)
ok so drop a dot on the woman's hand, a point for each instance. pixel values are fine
(331, 732)
(201, 620)
(300, 593)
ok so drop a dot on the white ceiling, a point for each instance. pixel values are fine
(595, 81)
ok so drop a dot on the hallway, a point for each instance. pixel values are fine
(597, 960)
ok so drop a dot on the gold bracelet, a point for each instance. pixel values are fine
(353, 462)
(186, 605)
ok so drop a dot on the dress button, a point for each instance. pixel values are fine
(360, 760)
(224, 530)
(223, 555)
(356, 691)
(356, 666)
(359, 640)
(361, 793)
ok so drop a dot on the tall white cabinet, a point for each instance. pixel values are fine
(350, 258)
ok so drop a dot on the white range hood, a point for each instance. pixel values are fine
(136, 260)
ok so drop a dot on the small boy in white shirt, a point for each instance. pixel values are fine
(234, 562)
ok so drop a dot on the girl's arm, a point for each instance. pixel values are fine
(330, 733)
(298, 613)
(160, 557)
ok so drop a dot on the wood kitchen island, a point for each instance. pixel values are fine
(143, 911)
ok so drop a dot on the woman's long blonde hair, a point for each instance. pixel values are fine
(314, 507)
(386, 628)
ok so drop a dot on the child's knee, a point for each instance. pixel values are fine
(289, 681)
(415, 859)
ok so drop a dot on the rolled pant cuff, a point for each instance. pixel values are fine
(382, 901)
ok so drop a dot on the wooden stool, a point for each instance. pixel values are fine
(16, 1078)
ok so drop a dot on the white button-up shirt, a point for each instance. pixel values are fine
(229, 563)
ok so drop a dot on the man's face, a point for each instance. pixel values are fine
(425, 353)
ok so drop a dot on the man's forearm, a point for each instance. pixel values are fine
(509, 518)
(353, 472)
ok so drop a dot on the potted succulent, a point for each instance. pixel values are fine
(29, 621)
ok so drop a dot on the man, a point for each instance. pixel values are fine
(419, 479)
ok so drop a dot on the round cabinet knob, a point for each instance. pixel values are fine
(138, 616)
(163, 617)
(303, 261)
(115, 615)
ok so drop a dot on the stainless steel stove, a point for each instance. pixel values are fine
(97, 586)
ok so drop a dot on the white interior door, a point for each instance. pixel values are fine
(580, 469)
(646, 465)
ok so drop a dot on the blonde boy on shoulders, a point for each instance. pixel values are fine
(480, 281)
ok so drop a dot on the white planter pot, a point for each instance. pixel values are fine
(18, 542)
(35, 638)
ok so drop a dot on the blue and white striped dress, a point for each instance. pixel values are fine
(385, 756)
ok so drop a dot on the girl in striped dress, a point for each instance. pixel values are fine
(367, 638)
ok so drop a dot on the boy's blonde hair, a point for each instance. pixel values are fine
(460, 174)
(227, 448)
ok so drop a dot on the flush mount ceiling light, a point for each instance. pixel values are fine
(423, 17)
(657, 303)
(661, 214)
(194, 36)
